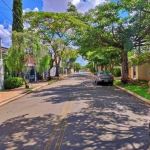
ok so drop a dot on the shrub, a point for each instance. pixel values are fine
(117, 72)
(13, 82)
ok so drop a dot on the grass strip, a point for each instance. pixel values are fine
(138, 89)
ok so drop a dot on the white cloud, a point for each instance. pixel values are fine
(36, 9)
(26, 25)
(75, 2)
(133, 13)
(6, 29)
(28, 10)
(81, 61)
(82, 5)
(5, 34)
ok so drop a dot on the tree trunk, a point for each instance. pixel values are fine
(57, 62)
(69, 70)
(124, 64)
(49, 74)
(51, 66)
(49, 70)
(24, 78)
(57, 71)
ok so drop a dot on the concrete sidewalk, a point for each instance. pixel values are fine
(13, 94)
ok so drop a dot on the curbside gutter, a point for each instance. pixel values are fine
(139, 98)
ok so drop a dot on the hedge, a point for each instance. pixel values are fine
(117, 72)
(13, 82)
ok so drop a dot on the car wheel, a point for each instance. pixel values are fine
(111, 83)
(97, 83)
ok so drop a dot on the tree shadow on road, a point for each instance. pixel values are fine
(108, 119)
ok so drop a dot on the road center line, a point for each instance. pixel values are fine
(51, 138)
(63, 129)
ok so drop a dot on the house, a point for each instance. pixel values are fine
(4, 49)
(31, 69)
(141, 72)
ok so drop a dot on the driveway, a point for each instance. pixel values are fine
(75, 114)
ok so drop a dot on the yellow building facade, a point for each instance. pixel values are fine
(141, 72)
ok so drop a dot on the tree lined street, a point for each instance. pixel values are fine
(75, 114)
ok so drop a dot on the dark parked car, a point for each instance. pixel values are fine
(104, 76)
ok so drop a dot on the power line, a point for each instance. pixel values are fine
(6, 4)
(5, 32)
(4, 8)
(20, 20)
(49, 40)
(11, 9)
(6, 17)
(5, 24)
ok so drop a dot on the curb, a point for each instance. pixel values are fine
(21, 95)
(26, 93)
(139, 98)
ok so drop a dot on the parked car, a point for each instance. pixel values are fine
(104, 77)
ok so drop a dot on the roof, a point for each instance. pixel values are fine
(4, 49)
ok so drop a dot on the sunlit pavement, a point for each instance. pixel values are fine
(75, 114)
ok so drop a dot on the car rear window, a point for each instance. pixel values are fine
(104, 73)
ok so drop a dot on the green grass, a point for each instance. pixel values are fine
(29, 89)
(52, 81)
(117, 82)
(5, 90)
(140, 90)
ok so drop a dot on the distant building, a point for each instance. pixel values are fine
(4, 50)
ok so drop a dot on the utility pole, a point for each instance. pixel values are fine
(1, 68)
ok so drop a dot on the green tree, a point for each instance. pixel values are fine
(56, 29)
(139, 20)
(68, 58)
(77, 67)
(43, 64)
(109, 29)
(90, 66)
(16, 52)
(58, 47)
(72, 10)
(25, 45)
(17, 24)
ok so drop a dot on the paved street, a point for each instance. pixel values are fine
(75, 114)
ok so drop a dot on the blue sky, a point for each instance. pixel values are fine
(39, 5)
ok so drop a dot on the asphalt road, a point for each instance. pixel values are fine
(75, 114)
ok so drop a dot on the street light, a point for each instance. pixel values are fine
(1, 68)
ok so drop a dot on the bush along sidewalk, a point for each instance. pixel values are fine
(13, 82)
(140, 90)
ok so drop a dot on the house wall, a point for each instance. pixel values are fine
(130, 72)
(144, 72)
